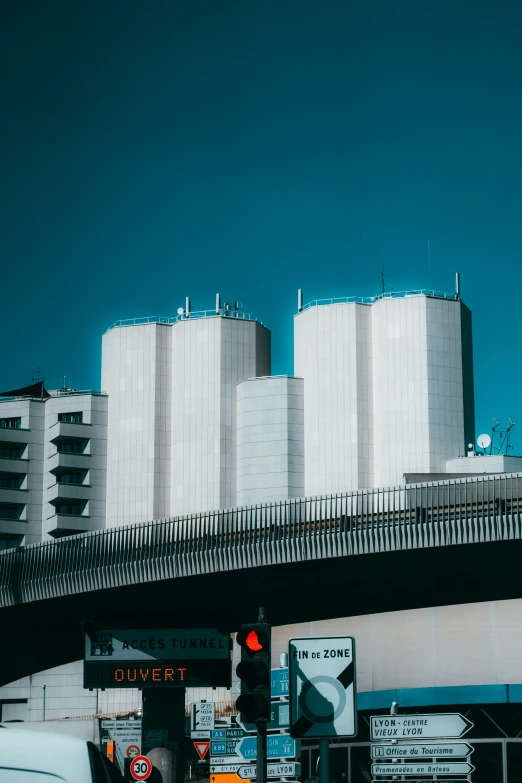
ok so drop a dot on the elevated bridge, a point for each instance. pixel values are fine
(434, 544)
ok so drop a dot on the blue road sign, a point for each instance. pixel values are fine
(223, 734)
(278, 746)
(279, 718)
(279, 682)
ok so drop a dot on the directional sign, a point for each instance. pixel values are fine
(436, 768)
(439, 724)
(219, 761)
(227, 734)
(202, 716)
(422, 750)
(278, 746)
(280, 770)
(279, 682)
(322, 687)
(225, 769)
(280, 717)
(224, 777)
(200, 735)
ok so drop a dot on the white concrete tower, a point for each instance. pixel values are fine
(388, 387)
(270, 440)
(137, 375)
(172, 410)
(333, 353)
(211, 355)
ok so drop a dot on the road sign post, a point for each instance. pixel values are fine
(433, 768)
(434, 726)
(422, 750)
(322, 687)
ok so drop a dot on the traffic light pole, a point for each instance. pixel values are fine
(324, 760)
(261, 728)
(261, 752)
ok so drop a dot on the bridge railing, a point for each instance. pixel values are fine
(458, 511)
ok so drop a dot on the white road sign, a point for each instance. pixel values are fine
(441, 724)
(436, 768)
(200, 734)
(217, 762)
(202, 716)
(422, 750)
(279, 770)
(322, 687)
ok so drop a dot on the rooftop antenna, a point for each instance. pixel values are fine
(39, 380)
(494, 427)
(507, 437)
(382, 281)
(429, 263)
(457, 285)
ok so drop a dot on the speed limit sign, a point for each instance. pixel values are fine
(140, 768)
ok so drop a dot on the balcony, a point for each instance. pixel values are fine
(67, 492)
(67, 429)
(61, 460)
(10, 465)
(15, 527)
(8, 435)
(17, 496)
(60, 525)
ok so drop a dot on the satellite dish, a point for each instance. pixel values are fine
(483, 441)
(470, 445)
(180, 311)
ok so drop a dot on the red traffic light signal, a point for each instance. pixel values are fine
(254, 672)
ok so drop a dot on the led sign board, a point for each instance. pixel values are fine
(157, 659)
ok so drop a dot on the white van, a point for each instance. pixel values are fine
(36, 757)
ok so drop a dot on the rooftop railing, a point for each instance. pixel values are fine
(194, 314)
(368, 300)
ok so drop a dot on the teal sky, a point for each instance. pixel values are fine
(153, 150)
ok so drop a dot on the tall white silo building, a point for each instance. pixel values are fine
(388, 386)
(172, 410)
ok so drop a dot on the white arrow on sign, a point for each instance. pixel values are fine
(436, 768)
(228, 769)
(422, 750)
(441, 724)
(279, 770)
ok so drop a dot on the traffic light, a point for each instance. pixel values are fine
(254, 671)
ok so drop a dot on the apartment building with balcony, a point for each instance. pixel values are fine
(53, 455)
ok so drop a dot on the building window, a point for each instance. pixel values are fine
(69, 478)
(69, 509)
(74, 418)
(11, 511)
(13, 423)
(71, 446)
(8, 451)
(9, 542)
(10, 481)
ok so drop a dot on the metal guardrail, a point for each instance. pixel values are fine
(444, 513)
(373, 299)
(194, 314)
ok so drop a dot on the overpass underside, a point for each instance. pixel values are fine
(309, 559)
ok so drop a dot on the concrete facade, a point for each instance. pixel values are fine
(270, 440)
(388, 389)
(210, 357)
(52, 466)
(172, 412)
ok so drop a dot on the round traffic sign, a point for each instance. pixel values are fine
(133, 751)
(140, 768)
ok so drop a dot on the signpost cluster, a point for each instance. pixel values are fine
(232, 750)
(396, 754)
